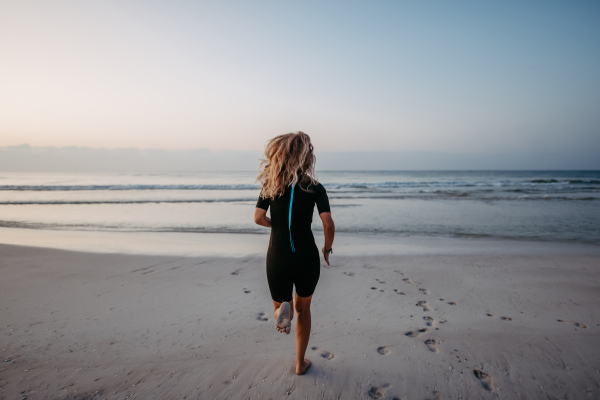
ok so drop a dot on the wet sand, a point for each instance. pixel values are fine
(508, 324)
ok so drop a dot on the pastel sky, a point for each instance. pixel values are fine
(453, 76)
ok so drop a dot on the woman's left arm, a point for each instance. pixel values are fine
(260, 217)
(329, 231)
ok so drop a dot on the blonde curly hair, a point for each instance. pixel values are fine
(288, 159)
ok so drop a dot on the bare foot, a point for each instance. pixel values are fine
(282, 318)
(301, 368)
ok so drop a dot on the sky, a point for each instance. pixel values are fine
(422, 76)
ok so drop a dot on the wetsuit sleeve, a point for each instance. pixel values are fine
(322, 200)
(263, 203)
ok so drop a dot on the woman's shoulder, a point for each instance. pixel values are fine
(316, 187)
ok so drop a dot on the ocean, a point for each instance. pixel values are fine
(520, 205)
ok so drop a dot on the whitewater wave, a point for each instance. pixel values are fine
(142, 201)
(331, 186)
(127, 187)
(433, 196)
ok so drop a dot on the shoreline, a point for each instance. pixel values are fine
(104, 325)
(196, 244)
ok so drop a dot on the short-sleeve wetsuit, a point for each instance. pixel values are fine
(293, 258)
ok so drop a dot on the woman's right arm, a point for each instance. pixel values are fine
(260, 217)
(329, 230)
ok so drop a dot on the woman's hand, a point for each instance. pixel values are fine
(326, 255)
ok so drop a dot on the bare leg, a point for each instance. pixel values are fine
(284, 328)
(302, 333)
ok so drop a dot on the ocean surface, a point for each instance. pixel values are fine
(527, 205)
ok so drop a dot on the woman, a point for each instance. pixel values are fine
(290, 189)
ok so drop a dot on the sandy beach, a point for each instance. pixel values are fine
(504, 322)
(152, 153)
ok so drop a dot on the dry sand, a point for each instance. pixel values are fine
(418, 326)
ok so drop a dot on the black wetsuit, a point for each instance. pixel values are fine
(293, 258)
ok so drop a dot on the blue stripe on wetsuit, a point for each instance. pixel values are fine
(290, 220)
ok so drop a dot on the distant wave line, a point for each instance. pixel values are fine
(465, 196)
(84, 202)
(114, 228)
(433, 196)
(364, 185)
(65, 188)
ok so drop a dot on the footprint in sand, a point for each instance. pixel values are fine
(408, 280)
(485, 379)
(432, 344)
(350, 274)
(368, 267)
(578, 324)
(452, 303)
(262, 317)
(378, 392)
(236, 272)
(414, 334)
(397, 291)
(429, 320)
(380, 281)
(423, 304)
(401, 273)
(502, 318)
(323, 353)
(247, 291)
(424, 291)
(374, 288)
(383, 350)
